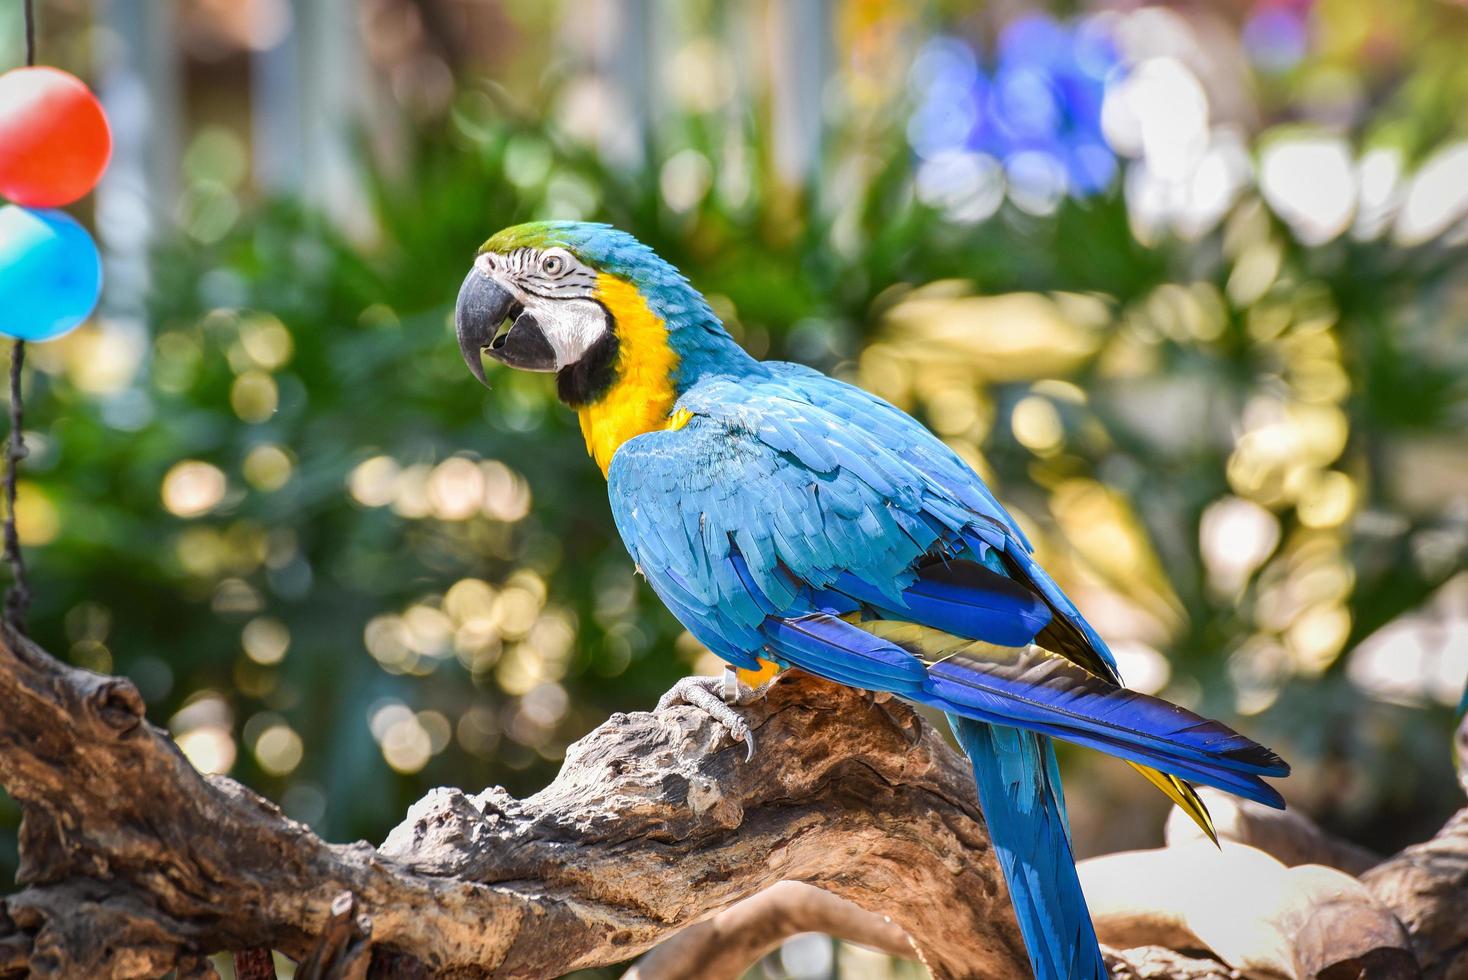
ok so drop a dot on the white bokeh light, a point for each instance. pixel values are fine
(1310, 182)
(1437, 197)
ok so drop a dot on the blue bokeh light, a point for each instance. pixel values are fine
(1277, 35)
(1036, 108)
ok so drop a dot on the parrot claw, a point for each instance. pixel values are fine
(716, 697)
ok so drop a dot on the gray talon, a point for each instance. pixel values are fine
(744, 734)
(700, 692)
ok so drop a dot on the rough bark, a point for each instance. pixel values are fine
(1426, 886)
(133, 863)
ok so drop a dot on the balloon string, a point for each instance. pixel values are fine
(30, 33)
(18, 596)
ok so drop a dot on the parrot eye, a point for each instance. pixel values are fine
(553, 264)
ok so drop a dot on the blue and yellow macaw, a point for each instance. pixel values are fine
(791, 520)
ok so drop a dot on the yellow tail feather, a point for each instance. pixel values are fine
(1183, 794)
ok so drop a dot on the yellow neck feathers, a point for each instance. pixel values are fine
(641, 399)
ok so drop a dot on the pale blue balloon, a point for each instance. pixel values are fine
(50, 273)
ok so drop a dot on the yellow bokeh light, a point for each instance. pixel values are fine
(1316, 638)
(202, 730)
(92, 655)
(267, 342)
(478, 731)
(1254, 271)
(36, 518)
(1284, 442)
(954, 410)
(470, 605)
(265, 640)
(210, 750)
(884, 373)
(279, 750)
(515, 609)
(1104, 530)
(102, 357)
(1002, 338)
(406, 744)
(373, 482)
(506, 494)
(1037, 425)
(468, 600)
(1326, 500)
(268, 467)
(456, 489)
(440, 731)
(429, 632)
(386, 638)
(410, 497)
(254, 396)
(193, 487)
(1235, 537)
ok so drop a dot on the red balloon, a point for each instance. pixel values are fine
(54, 140)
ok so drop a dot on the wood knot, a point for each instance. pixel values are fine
(707, 800)
(115, 702)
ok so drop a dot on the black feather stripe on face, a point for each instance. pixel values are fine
(592, 376)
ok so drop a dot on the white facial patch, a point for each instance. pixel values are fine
(557, 289)
(570, 325)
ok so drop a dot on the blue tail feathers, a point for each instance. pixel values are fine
(1022, 802)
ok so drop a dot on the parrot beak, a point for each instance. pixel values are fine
(484, 305)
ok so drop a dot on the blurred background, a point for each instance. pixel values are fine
(1184, 282)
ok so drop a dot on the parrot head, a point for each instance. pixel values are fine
(622, 330)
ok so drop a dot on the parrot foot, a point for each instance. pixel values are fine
(716, 697)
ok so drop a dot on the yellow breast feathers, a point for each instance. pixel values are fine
(641, 399)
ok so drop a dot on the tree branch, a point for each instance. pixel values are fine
(134, 864)
(1426, 886)
(132, 860)
(724, 947)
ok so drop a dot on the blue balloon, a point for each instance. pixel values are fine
(50, 273)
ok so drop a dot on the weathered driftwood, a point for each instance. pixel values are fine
(1249, 909)
(131, 860)
(134, 864)
(1426, 886)
(725, 946)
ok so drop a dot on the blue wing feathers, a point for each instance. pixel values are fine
(790, 502)
(977, 603)
(819, 642)
(1032, 574)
